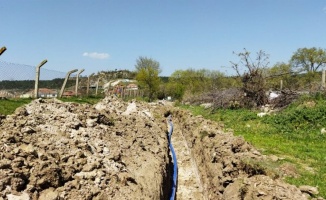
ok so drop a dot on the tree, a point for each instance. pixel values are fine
(281, 71)
(308, 59)
(147, 71)
(253, 79)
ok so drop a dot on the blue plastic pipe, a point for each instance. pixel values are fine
(175, 164)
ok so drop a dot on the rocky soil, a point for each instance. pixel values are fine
(119, 150)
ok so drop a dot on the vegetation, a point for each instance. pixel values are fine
(253, 79)
(8, 106)
(89, 100)
(147, 71)
(30, 84)
(296, 135)
(308, 59)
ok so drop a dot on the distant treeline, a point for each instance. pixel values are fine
(30, 84)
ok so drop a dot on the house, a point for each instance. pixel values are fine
(132, 86)
(42, 92)
(47, 93)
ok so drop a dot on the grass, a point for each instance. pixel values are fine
(8, 106)
(293, 134)
(89, 100)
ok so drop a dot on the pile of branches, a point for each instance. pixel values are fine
(229, 98)
(254, 89)
(285, 98)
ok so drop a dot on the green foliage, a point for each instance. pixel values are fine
(89, 100)
(147, 75)
(280, 71)
(30, 84)
(8, 106)
(294, 134)
(193, 82)
(308, 59)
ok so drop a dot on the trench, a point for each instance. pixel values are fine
(183, 180)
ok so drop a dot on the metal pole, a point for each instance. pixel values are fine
(65, 82)
(37, 77)
(98, 80)
(88, 82)
(3, 49)
(77, 78)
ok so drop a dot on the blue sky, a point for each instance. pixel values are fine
(180, 34)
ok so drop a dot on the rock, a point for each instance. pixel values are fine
(49, 194)
(23, 196)
(309, 189)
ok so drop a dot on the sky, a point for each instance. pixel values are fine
(104, 35)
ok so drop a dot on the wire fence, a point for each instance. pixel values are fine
(18, 81)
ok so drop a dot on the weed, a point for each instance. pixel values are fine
(295, 133)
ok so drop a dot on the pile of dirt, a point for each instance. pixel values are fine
(118, 150)
(56, 150)
(228, 166)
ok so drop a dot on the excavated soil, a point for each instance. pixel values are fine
(118, 150)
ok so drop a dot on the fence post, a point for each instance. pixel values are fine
(323, 79)
(65, 82)
(87, 90)
(37, 77)
(98, 81)
(77, 79)
(3, 49)
(281, 84)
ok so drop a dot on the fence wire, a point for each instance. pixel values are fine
(18, 80)
(16, 72)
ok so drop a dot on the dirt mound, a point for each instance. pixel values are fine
(228, 166)
(56, 150)
(119, 150)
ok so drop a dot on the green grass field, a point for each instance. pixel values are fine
(8, 106)
(293, 134)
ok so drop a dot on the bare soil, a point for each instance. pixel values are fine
(119, 150)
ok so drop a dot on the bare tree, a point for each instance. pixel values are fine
(252, 78)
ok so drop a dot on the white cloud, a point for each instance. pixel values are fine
(96, 55)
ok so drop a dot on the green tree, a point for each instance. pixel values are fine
(280, 71)
(186, 83)
(308, 59)
(147, 71)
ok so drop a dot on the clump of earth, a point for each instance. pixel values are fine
(119, 150)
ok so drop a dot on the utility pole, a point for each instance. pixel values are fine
(77, 78)
(65, 82)
(37, 77)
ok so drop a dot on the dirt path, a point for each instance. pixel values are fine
(189, 183)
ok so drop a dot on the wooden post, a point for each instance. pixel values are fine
(37, 77)
(281, 84)
(65, 81)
